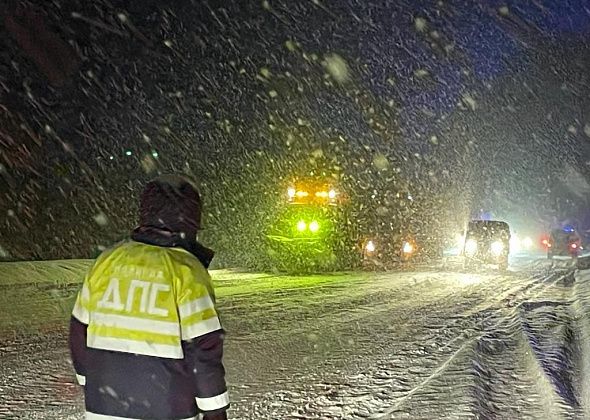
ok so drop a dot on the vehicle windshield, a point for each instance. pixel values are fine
(488, 229)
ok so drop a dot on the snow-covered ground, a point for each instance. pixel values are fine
(429, 344)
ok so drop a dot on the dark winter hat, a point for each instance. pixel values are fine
(172, 203)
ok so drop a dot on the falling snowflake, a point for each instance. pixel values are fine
(469, 101)
(420, 24)
(291, 46)
(380, 161)
(101, 219)
(148, 163)
(337, 68)
(420, 73)
(3, 252)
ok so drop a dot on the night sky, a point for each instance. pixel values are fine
(491, 98)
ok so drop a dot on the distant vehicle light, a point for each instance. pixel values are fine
(471, 247)
(291, 192)
(326, 194)
(301, 194)
(301, 226)
(128, 152)
(574, 246)
(314, 226)
(497, 248)
(527, 243)
(459, 240)
(370, 246)
(407, 248)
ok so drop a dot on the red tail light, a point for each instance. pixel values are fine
(574, 246)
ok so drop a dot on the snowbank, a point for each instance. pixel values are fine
(581, 306)
(34, 272)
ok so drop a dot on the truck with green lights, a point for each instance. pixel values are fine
(310, 231)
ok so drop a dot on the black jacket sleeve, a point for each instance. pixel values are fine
(78, 349)
(204, 358)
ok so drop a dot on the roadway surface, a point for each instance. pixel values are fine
(435, 342)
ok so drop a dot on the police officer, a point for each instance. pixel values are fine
(145, 337)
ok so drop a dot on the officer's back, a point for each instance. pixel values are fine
(145, 336)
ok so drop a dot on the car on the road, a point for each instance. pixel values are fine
(487, 242)
(388, 250)
(401, 248)
(564, 242)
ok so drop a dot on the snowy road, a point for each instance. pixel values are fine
(423, 345)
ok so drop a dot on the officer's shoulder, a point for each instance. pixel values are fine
(184, 257)
(105, 254)
(188, 266)
(179, 257)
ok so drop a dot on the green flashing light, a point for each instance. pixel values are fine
(301, 225)
(314, 226)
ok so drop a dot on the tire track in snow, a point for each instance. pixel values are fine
(347, 387)
(465, 347)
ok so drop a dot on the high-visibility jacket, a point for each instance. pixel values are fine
(152, 347)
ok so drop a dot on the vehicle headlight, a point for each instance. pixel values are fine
(291, 192)
(301, 225)
(471, 247)
(497, 248)
(407, 248)
(370, 247)
(314, 226)
(527, 242)
(332, 194)
(459, 240)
